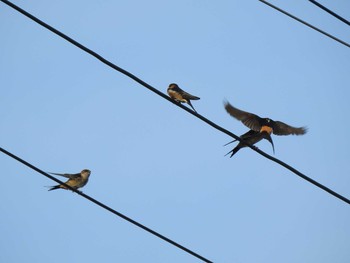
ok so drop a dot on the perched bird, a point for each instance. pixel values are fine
(179, 95)
(75, 180)
(261, 128)
(251, 137)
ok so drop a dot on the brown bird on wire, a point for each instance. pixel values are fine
(76, 181)
(180, 95)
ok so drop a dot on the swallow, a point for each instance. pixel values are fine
(258, 124)
(75, 180)
(180, 95)
(251, 137)
(260, 128)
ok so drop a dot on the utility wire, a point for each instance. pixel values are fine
(330, 12)
(305, 23)
(212, 124)
(107, 207)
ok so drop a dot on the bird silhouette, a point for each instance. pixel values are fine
(256, 123)
(260, 128)
(251, 137)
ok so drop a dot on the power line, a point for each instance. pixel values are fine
(212, 124)
(305, 23)
(107, 207)
(330, 12)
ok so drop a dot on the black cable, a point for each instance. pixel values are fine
(330, 12)
(305, 23)
(290, 168)
(106, 207)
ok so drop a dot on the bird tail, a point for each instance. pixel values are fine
(189, 103)
(55, 187)
(229, 142)
(233, 151)
(194, 98)
(268, 137)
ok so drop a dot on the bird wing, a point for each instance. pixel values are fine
(176, 88)
(250, 120)
(70, 176)
(189, 96)
(185, 94)
(281, 128)
(246, 136)
(249, 134)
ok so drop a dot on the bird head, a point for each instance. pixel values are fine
(85, 172)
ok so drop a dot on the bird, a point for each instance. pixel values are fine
(256, 123)
(180, 95)
(75, 181)
(260, 128)
(251, 137)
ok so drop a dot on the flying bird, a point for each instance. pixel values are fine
(251, 137)
(260, 128)
(180, 95)
(76, 181)
(256, 123)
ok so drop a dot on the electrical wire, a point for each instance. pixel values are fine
(330, 12)
(212, 124)
(305, 23)
(106, 207)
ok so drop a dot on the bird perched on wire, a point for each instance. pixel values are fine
(76, 181)
(262, 126)
(180, 95)
(251, 137)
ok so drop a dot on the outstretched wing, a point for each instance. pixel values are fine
(70, 176)
(281, 128)
(250, 120)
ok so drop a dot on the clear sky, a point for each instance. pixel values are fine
(62, 110)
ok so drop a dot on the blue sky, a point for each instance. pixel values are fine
(63, 111)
